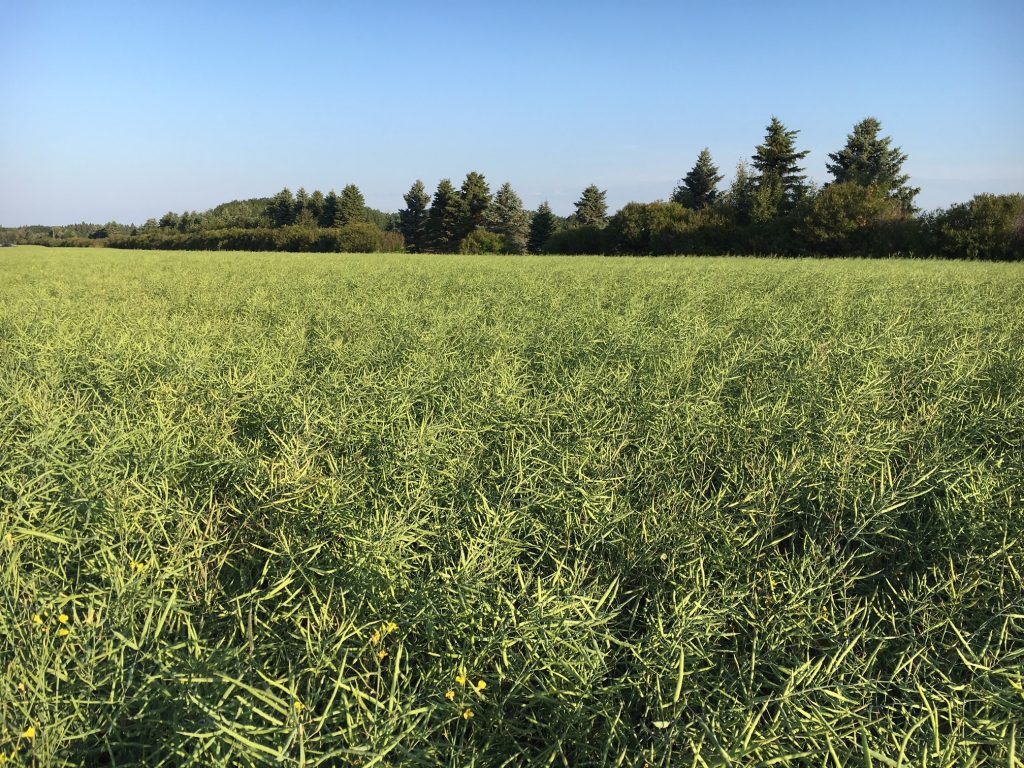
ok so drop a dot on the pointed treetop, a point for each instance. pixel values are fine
(870, 160)
(699, 188)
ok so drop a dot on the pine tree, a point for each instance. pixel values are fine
(776, 162)
(413, 218)
(742, 194)
(870, 160)
(699, 188)
(317, 202)
(330, 211)
(542, 227)
(351, 206)
(477, 198)
(591, 208)
(281, 210)
(446, 219)
(508, 219)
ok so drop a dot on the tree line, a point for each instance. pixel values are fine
(866, 208)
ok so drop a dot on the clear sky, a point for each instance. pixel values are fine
(123, 111)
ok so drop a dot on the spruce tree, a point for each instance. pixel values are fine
(317, 202)
(699, 188)
(777, 164)
(542, 227)
(870, 160)
(413, 218)
(508, 219)
(281, 210)
(591, 208)
(477, 198)
(330, 211)
(351, 206)
(742, 194)
(446, 220)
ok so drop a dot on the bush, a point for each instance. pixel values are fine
(989, 227)
(481, 240)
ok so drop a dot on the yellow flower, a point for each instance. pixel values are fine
(63, 632)
(480, 685)
(21, 687)
(375, 637)
(299, 706)
(390, 627)
(137, 566)
(29, 733)
(3, 758)
(468, 714)
(460, 679)
(450, 695)
(63, 618)
(37, 619)
(382, 654)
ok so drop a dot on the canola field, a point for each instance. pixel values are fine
(397, 510)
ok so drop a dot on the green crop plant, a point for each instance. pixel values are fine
(318, 510)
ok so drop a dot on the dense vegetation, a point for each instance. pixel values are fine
(866, 209)
(401, 510)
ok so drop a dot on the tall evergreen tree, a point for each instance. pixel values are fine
(508, 219)
(740, 199)
(351, 206)
(413, 218)
(870, 160)
(281, 210)
(776, 161)
(317, 202)
(591, 208)
(699, 188)
(477, 198)
(330, 211)
(446, 220)
(542, 227)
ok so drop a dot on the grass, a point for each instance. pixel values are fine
(710, 512)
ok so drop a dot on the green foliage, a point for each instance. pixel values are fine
(447, 218)
(414, 218)
(870, 161)
(351, 207)
(699, 188)
(679, 512)
(780, 179)
(591, 208)
(578, 240)
(281, 209)
(543, 225)
(507, 218)
(988, 227)
(848, 218)
(476, 199)
(482, 240)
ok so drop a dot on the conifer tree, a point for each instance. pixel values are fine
(317, 202)
(699, 188)
(477, 198)
(542, 227)
(446, 220)
(508, 219)
(591, 208)
(776, 161)
(413, 218)
(330, 211)
(281, 210)
(351, 206)
(870, 160)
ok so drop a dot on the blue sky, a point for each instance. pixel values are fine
(123, 111)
